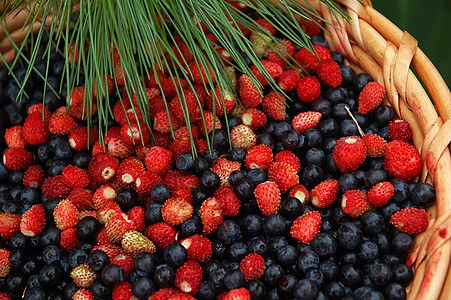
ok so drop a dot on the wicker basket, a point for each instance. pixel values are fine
(374, 45)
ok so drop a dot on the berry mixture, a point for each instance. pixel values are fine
(306, 194)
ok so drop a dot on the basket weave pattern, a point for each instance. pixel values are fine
(374, 45)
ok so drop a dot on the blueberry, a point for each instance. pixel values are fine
(219, 139)
(423, 194)
(185, 163)
(292, 140)
(305, 289)
(206, 291)
(401, 190)
(82, 159)
(402, 243)
(209, 181)
(216, 280)
(314, 156)
(200, 166)
(243, 189)
(368, 251)
(383, 115)
(175, 255)
(77, 257)
(153, 214)
(50, 275)
(287, 256)
(313, 138)
(30, 195)
(190, 227)
(211, 155)
(372, 222)
(402, 273)
(350, 275)
(348, 181)
(97, 260)
(348, 127)
(334, 290)
(145, 262)
(51, 254)
(237, 154)
(280, 128)
(49, 206)
(228, 232)
(234, 279)
(256, 176)
(160, 192)
(324, 244)
(164, 276)
(64, 152)
(237, 251)
(15, 283)
(286, 284)
(312, 175)
(29, 266)
(375, 176)
(87, 228)
(380, 273)
(266, 139)
(383, 242)
(272, 275)
(274, 224)
(367, 292)
(50, 236)
(307, 260)
(219, 250)
(236, 176)
(251, 225)
(336, 95)
(100, 290)
(113, 274)
(256, 289)
(44, 152)
(258, 245)
(291, 208)
(316, 276)
(328, 128)
(388, 210)
(360, 81)
(394, 291)
(127, 198)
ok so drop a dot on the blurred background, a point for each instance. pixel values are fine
(427, 21)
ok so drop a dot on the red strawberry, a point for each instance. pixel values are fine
(118, 224)
(306, 120)
(78, 95)
(283, 47)
(123, 291)
(188, 277)
(65, 215)
(135, 134)
(14, 137)
(162, 123)
(198, 247)
(183, 193)
(175, 211)
(312, 24)
(54, 187)
(309, 61)
(111, 250)
(274, 106)
(198, 73)
(242, 136)
(145, 181)
(158, 160)
(371, 97)
(253, 118)
(102, 167)
(306, 227)
(81, 112)
(289, 158)
(381, 193)
(289, 80)
(238, 294)
(276, 58)
(83, 275)
(375, 145)
(325, 193)
(5, 264)
(33, 221)
(105, 85)
(176, 180)
(410, 220)
(267, 195)
(141, 151)
(33, 176)
(35, 129)
(17, 159)
(259, 156)
(134, 243)
(329, 72)
(349, 153)
(40, 109)
(253, 266)
(80, 140)
(402, 160)
(125, 261)
(138, 216)
(75, 177)
(284, 175)
(183, 133)
(211, 215)
(355, 203)
(104, 214)
(178, 147)
(399, 129)
(83, 294)
(163, 294)
(129, 169)
(62, 124)
(124, 113)
(223, 168)
(274, 70)
(250, 94)
(118, 148)
(69, 239)
(266, 25)
(10, 225)
(81, 198)
(221, 101)
(230, 203)
(300, 192)
(211, 122)
(103, 196)
(170, 85)
(309, 89)
(161, 234)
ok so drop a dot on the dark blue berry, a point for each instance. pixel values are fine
(175, 255)
(350, 275)
(423, 194)
(324, 244)
(307, 260)
(274, 224)
(164, 276)
(143, 288)
(237, 251)
(256, 176)
(258, 245)
(305, 289)
(113, 274)
(185, 163)
(127, 198)
(368, 251)
(372, 222)
(380, 273)
(272, 275)
(402, 243)
(228, 232)
(234, 279)
(97, 260)
(256, 289)
(160, 192)
(251, 225)
(87, 228)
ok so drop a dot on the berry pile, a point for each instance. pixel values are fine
(313, 200)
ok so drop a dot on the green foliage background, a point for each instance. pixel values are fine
(429, 22)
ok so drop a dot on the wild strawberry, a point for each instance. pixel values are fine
(238, 110)
(300, 192)
(284, 175)
(75, 177)
(230, 203)
(33, 176)
(118, 224)
(125, 261)
(259, 156)
(324, 194)
(283, 47)
(81, 111)
(163, 294)
(134, 243)
(289, 158)
(175, 211)
(78, 95)
(253, 266)
(10, 225)
(188, 277)
(224, 102)
(170, 85)
(104, 87)
(355, 203)
(124, 113)
(211, 122)
(349, 153)
(62, 124)
(104, 214)
(163, 124)
(69, 239)
(308, 89)
(5, 263)
(161, 234)
(278, 59)
(410, 220)
(201, 145)
(306, 227)
(17, 159)
(267, 195)
(289, 80)
(310, 61)
(266, 25)
(145, 181)
(118, 148)
(88, 213)
(111, 250)
(43, 110)
(102, 167)
(375, 145)
(399, 129)
(138, 216)
(123, 291)
(188, 103)
(238, 294)
(329, 72)
(35, 129)
(250, 94)
(312, 24)
(65, 215)
(306, 120)
(80, 140)
(211, 215)
(198, 247)
(198, 73)
(158, 160)
(274, 70)
(253, 118)
(242, 136)
(381, 193)
(184, 194)
(14, 137)
(178, 147)
(402, 160)
(176, 180)
(183, 133)
(33, 221)
(103, 196)
(260, 43)
(81, 198)
(371, 97)
(141, 151)
(135, 134)
(223, 168)
(83, 275)
(274, 106)
(129, 170)
(83, 294)
(54, 187)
